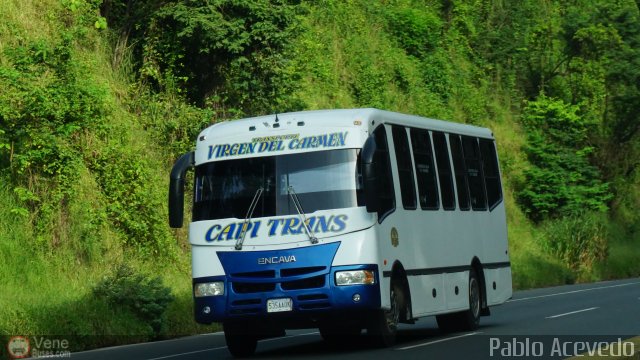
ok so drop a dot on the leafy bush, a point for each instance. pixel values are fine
(133, 199)
(223, 54)
(145, 296)
(173, 122)
(47, 103)
(580, 241)
(417, 30)
(561, 180)
(44, 102)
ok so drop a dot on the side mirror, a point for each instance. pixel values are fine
(369, 175)
(176, 189)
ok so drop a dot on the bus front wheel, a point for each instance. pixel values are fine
(241, 340)
(385, 326)
(340, 335)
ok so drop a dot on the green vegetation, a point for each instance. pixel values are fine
(98, 98)
(144, 296)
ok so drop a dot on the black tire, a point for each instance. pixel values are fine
(340, 335)
(448, 322)
(385, 323)
(468, 319)
(241, 342)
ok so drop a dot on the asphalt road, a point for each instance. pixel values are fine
(552, 322)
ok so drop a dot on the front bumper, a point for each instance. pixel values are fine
(315, 297)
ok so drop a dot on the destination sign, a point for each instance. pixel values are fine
(270, 144)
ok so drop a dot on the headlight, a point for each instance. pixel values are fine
(209, 289)
(355, 277)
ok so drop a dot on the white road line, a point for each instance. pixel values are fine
(573, 292)
(187, 353)
(572, 312)
(140, 344)
(439, 341)
(224, 347)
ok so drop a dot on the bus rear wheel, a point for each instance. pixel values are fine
(241, 341)
(468, 319)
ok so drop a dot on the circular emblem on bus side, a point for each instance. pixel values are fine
(394, 237)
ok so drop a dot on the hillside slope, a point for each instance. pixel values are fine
(97, 99)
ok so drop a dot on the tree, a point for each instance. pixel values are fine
(561, 180)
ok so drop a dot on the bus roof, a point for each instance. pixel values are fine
(264, 125)
(309, 131)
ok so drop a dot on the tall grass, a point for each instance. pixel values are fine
(52, 293)
(623, 260)
(48, 271)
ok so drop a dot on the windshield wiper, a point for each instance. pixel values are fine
(296, 203)
(247, 218)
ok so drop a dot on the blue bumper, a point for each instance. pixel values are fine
(304, 275)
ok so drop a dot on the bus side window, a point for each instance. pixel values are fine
(458, 166)
(475, 175)
(405, 168)
(425, 171)
(444, 171)
(387, 199)
(491, 173)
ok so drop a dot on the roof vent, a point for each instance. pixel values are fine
(276, 125)
(300, 123)
(252, 128)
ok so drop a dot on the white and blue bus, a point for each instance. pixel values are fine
(343, 220)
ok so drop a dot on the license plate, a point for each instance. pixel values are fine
(279, 305)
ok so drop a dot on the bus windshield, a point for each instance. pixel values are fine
(322, 180)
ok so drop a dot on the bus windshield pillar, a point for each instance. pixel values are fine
(369, 174)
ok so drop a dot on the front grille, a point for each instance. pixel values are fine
(313, 297)
(312, 306)
(246, 302)
(247, 288)
(310, 283)
(267, 274)
(245, 311)
(301, 271)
